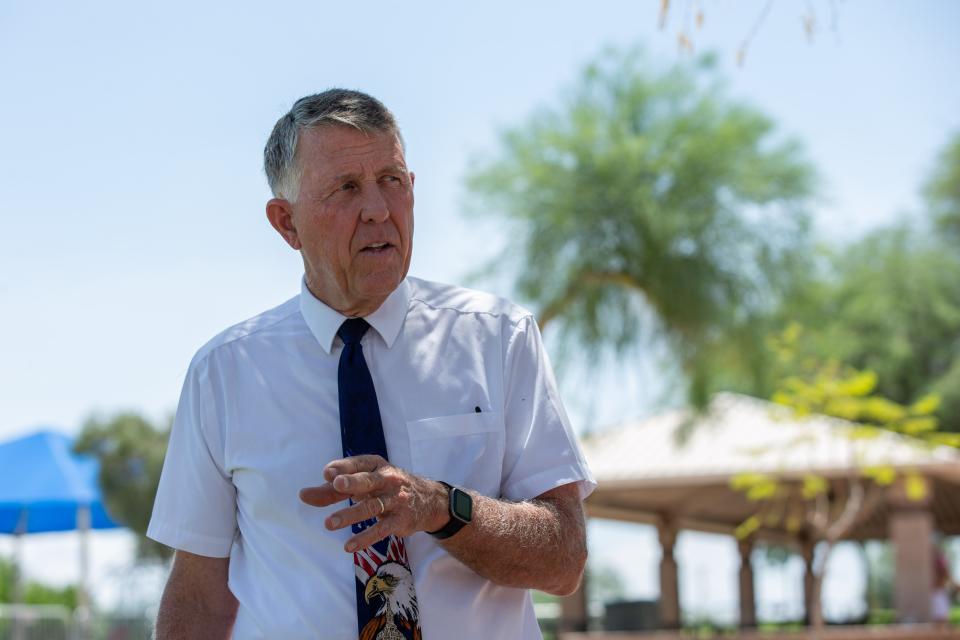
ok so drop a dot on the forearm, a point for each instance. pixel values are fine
(196, 602)
(540, 544)
(537, 544)
(185, 619)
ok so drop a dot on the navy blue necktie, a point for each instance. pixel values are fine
(386, 599)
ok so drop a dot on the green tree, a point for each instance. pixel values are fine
(650, 191)
(878, 558)
(889, 303)
(131, 451)
(34, 592)
(7, 578)
(942, 190)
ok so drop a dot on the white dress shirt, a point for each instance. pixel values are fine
(466, 395)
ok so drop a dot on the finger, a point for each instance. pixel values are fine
(353, 464)
(322, 496)
(370, 535)
(354, 483)
(369, 508)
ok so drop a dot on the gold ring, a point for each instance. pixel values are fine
(383, 507)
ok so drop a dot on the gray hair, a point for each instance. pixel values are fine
(331, 107)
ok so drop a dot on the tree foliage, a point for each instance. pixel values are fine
(649, 190)
(131, 452)
(34, 592)
(889, 304)
(879, 561)
(833, 389)
(814, 506)
(942, 190)
(828, 388)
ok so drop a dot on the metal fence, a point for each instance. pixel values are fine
(50, 622)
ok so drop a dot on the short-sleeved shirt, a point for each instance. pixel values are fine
(466, 395)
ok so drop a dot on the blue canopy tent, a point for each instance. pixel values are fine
(46, 487)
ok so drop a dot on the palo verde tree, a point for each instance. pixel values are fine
(649, 203)
(814, 506)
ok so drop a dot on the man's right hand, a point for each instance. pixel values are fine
(403, 503)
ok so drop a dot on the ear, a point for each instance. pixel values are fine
(280, 215)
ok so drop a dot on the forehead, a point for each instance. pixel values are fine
(337, 149)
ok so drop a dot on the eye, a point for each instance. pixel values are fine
(347, 186)
(392, 179)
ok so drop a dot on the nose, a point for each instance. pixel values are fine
(374, 206)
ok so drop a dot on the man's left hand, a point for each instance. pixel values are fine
(402, 503)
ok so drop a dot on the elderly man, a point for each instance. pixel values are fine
(380, 456)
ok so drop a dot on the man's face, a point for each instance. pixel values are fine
(353, 218)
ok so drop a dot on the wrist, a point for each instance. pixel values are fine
(440, 507)
(459, 512)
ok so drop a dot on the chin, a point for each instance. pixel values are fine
(380, 285)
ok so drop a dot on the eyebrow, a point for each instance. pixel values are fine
(394, 168)
(344, 177)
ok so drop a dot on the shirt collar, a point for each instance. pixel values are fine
(324, 322)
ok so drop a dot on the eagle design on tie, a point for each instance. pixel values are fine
(383, 574)
(393, 583)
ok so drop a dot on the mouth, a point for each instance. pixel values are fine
(375, 248)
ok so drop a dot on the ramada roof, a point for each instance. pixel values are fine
(678, 465)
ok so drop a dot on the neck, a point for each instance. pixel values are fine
(349, 308)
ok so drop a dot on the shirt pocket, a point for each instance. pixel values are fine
(464, 450)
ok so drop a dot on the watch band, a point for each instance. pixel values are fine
(460, 507)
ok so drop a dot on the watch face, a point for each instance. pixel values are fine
(462, 505)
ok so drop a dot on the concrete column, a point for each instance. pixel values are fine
(669, 580)
(807, 548)
(910, 529)
(748, 605)
(82, 614)
(573, 609)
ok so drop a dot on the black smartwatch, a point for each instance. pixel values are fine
(461, 512)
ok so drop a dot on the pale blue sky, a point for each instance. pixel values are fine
(132, 193)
